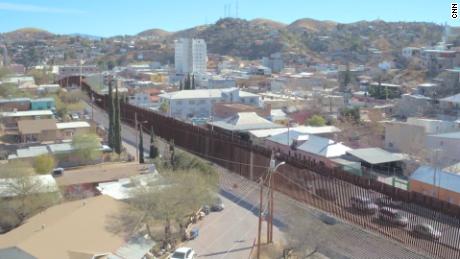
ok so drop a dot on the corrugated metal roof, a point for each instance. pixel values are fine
(203, 94)
(27, 113)
(323, 147)
(451, 135)
(444, 180)
(31, 151)
(375, 155)
(301, 129)
(244, 121)
(72, 125)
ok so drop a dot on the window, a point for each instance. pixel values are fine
(192, 102)
(179, 102)
(201, 101)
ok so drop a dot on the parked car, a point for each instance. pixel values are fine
(393, 216)
(218, 205)
(183, 253)
(363, 204)
(388, 202)
(57, 171)
(427, 231)
(75, 116)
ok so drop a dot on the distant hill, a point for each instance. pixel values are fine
(305, 40)
(267, 23)
(311, 38)
(158, 33)
(27, 34)
(86, 36)
(311, 25)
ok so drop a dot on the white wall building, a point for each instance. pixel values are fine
(198, 103)
(190, 56)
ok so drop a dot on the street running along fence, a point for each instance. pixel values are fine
(304, 180)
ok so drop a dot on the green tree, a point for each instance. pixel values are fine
(86, 147)
(141, 145)
(117, 123)
(44, 164)
(351, 114)
(316, 120)
(153, 149)
(164, 106)
(193, 86)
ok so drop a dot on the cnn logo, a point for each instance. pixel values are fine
(454, 10)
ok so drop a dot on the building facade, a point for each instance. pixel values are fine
(190, 56)
(198, 103)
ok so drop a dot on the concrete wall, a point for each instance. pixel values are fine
(403, 137)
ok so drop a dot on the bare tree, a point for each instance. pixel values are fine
(23, 194)
(170, 201)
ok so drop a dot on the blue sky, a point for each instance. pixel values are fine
(116, 17)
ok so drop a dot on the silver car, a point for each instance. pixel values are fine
(363, 204)
(393, 216)
(427, 231)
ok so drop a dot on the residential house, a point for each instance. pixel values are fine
(67, 130)
(42, 104)
(448, 144)
(225, 110)
(76, 229)
(14, 104)
(410, 136)
(375, 161)
(198, 103)
(48, 88)
(49, 130)
(122, 188)
(37, 130)
(410, 52)
(321, 150)
(279, 116)
(242, 122)
(414, 105)
(450, 104)
(437, 183)
(10, 119)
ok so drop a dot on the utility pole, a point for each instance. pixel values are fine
(271, 171)
(137, 139)
(260, 217)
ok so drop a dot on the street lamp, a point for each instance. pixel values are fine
(271, 171)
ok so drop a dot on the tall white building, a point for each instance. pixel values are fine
(190, 56)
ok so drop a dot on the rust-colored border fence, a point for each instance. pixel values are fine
(305, 180)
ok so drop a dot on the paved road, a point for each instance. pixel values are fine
(230, 234)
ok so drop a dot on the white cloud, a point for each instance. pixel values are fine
(35, 8)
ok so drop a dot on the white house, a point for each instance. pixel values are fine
(448, 145)
(199, 102)
(190, 56)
